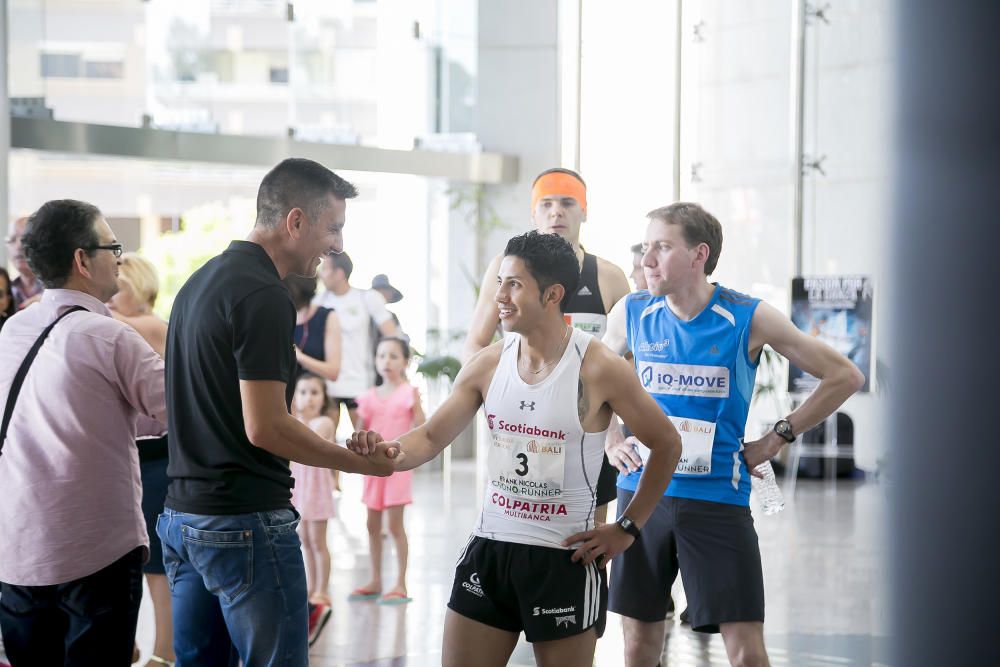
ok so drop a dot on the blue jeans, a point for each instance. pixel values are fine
(239, 588)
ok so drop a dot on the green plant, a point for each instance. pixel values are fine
(482, 220)
(436, 367)
(205, 232)
(437, 364)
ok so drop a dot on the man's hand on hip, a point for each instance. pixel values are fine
(764, 449)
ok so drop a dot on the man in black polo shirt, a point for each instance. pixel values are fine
(228, 529)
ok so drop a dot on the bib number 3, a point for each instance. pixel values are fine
(522, 468)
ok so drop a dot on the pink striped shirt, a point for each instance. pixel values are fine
(69, 470)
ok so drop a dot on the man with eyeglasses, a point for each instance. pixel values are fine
(74, 381)
(26, 289)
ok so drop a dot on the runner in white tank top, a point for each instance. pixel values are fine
(535, 560)
(542, 465)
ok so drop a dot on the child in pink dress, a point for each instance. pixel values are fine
(391, 409)
(312, 495)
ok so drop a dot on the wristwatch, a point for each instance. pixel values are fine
(784, 429)
(628, 525)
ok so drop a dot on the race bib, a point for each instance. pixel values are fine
(527, 466)
(592, 323)
(697, 438)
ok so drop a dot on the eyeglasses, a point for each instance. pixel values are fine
(116, 248)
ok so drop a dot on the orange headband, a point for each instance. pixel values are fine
(559, 183)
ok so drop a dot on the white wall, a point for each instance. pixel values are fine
(736, 143)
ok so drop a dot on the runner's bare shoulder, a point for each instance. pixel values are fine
(601, 364)
(479, 369)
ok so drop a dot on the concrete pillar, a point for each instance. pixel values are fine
(944, 456)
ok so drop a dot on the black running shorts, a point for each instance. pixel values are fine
(521, 587)
(715, 547)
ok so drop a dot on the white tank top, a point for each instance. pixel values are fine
(542, 466)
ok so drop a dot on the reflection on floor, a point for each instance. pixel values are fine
(823, 568)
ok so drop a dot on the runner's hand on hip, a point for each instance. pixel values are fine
(601, 544)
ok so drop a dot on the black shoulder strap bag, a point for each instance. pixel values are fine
(15, 386)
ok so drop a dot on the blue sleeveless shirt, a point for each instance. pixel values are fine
(701, 375)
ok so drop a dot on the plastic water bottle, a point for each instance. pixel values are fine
(767, 489)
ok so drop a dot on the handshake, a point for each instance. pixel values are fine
(385, 456)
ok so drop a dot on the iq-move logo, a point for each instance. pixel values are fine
(684, 379)
(646, 376)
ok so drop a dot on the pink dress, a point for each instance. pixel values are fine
(390, 416)
(312, 495)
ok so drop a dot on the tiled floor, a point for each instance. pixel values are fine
(824, 573)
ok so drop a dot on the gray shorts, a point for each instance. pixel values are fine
(714, 545)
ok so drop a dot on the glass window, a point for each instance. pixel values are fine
(65, 65)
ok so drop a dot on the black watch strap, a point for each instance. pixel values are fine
(784, 429)
(628, 525)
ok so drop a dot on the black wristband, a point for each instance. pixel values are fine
(628, 525)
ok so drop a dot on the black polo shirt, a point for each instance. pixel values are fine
(233, 320)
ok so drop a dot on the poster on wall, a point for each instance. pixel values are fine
(838, 311)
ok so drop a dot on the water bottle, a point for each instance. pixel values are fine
(767, 489)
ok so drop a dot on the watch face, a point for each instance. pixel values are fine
(625, 522)
(783, 427)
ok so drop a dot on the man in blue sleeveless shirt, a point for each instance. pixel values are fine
(696, 346)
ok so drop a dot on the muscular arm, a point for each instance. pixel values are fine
(616, 337)
(643, 416)
(330, 367)
(485, 318)
(620, 452)
(839, 378)
(426, 441)
(610, 381)
(612, 281)
(270, 427)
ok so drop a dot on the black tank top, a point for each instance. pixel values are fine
(585, 309)
(309, 337)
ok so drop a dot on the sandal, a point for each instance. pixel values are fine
(161, 661)
(394, 598)
(362, 594)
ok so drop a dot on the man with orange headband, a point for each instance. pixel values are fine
(559, 206)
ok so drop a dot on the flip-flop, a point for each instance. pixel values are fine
(394, 599)
(362, 594)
